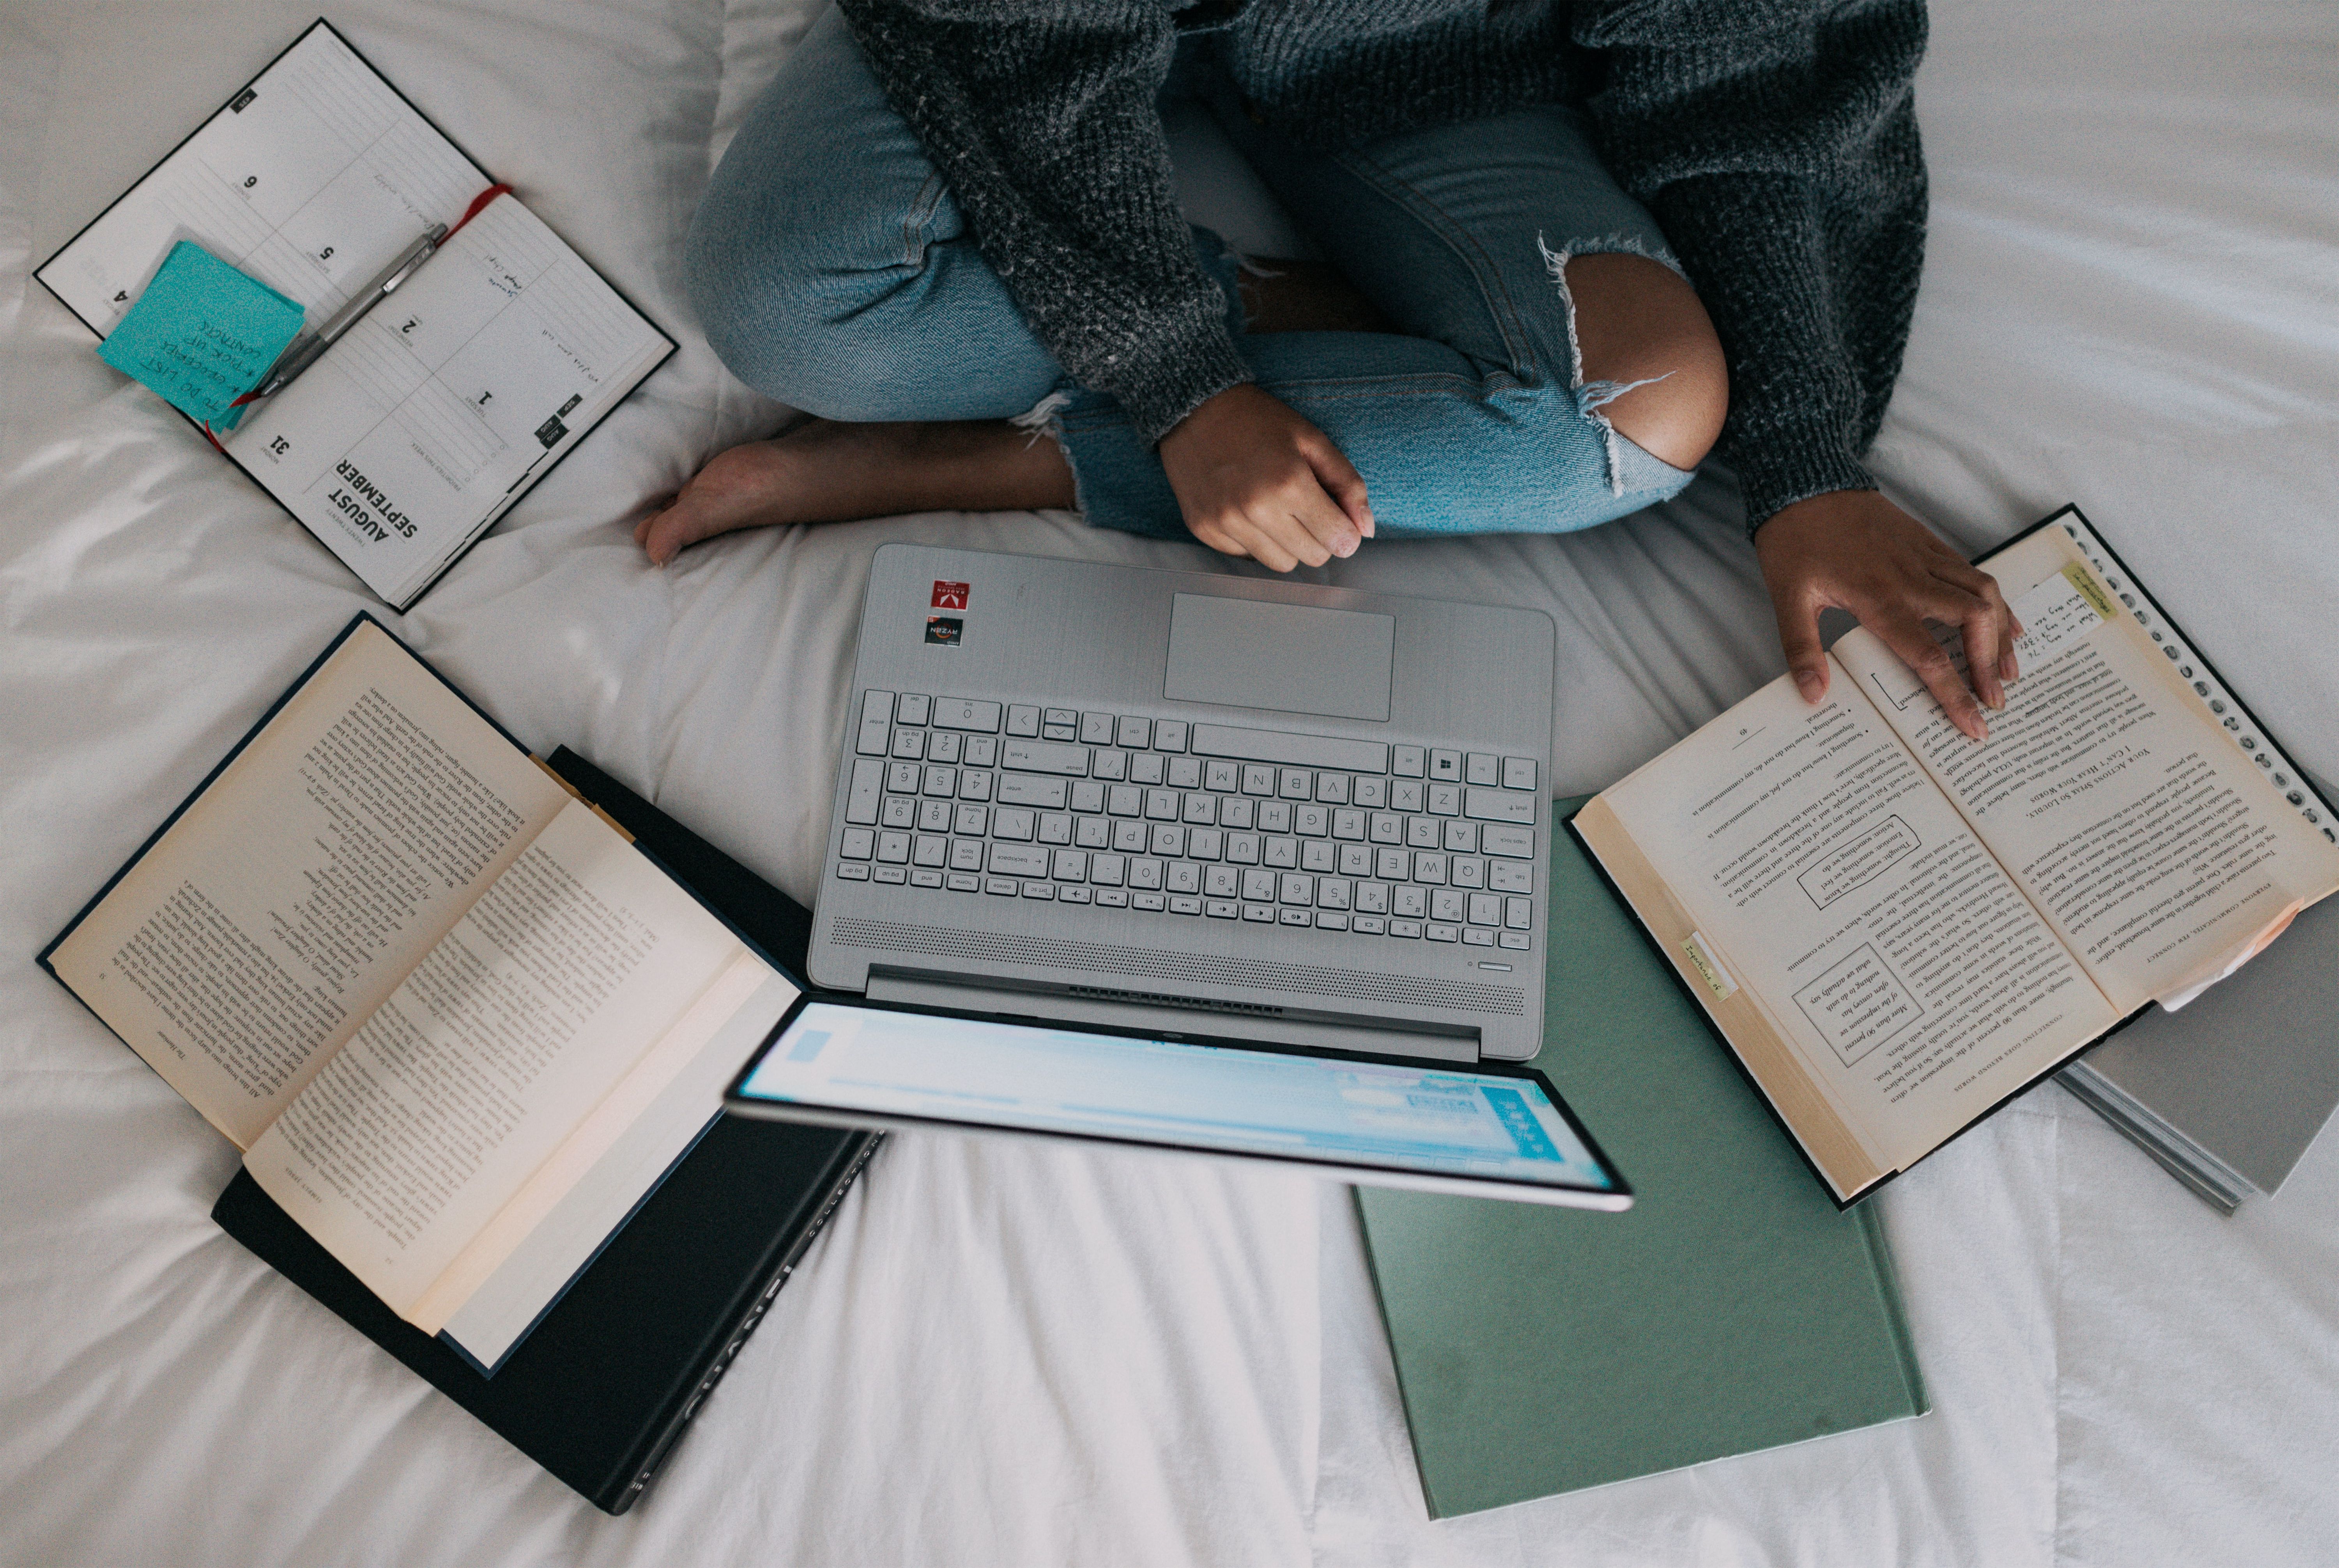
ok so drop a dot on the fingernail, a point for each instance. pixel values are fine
(2005, 666)
(1371, 524)
(1344, 545)
(1808, 683)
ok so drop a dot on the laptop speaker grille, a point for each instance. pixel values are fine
(1151, 963)
(1191, 1003)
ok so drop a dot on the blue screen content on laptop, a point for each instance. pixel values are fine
(1433, 1119)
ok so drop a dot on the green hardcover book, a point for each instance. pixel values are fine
(1731, 1309)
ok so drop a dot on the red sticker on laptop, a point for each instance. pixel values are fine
(949, 596)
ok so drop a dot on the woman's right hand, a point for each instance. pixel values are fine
(1256, 480)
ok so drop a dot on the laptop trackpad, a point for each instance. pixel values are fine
(1292, 658)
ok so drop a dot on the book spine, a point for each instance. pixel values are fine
(793, 1254)
(2204, 1174)
(1896, 1312)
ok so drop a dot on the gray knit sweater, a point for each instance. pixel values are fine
(1774, 139)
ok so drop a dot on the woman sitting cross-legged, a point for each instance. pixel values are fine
(949, 232)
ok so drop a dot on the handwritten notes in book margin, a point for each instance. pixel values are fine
(202, 334)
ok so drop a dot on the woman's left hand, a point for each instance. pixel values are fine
(1858, 551)
(1255, 479)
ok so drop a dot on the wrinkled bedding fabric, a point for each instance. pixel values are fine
(1017, 1354)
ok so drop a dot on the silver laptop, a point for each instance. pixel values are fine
(1190, 803)
(1484, 1130)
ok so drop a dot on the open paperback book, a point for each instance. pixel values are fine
(459, 1024)
(1896, 929)
(434, 414)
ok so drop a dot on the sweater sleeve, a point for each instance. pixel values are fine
(1041, 115)
(1776, 142)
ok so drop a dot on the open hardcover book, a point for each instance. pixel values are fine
(435, 413)
(457, 1023)
(1896, 929)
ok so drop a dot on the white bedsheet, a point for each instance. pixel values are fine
(1024, 1356)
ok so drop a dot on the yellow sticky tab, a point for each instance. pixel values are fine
(2090, 590)
(1717, 979)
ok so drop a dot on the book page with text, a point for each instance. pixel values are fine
(491, 1053)
(2162, 853)
(289, 899)
(407, 438)
(1826, 875)
(679, 1051)
(496, 1312)
(311, 180)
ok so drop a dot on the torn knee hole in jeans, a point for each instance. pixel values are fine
(1591, 397)
(1044, 418)
(1041, 419)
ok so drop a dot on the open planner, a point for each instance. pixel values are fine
(435, 413)
(458, 1023)
(1898, 929)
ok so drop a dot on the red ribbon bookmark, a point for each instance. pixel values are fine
(479, 204)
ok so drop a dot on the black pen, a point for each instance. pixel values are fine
(307, 348)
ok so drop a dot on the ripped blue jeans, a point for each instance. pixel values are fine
(832, 271)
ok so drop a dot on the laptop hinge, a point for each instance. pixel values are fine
(1171, 1015)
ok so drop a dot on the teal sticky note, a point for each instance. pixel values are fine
(202, 334)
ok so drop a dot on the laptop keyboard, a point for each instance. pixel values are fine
(1205, 820)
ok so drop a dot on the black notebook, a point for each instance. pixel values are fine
(437, 412)
(464, 1024)
(611, 1375)
(458, 1020)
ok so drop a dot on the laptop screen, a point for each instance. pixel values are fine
(1429, 1119)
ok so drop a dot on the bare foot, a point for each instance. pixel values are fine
(826, 472)
(744, 487)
